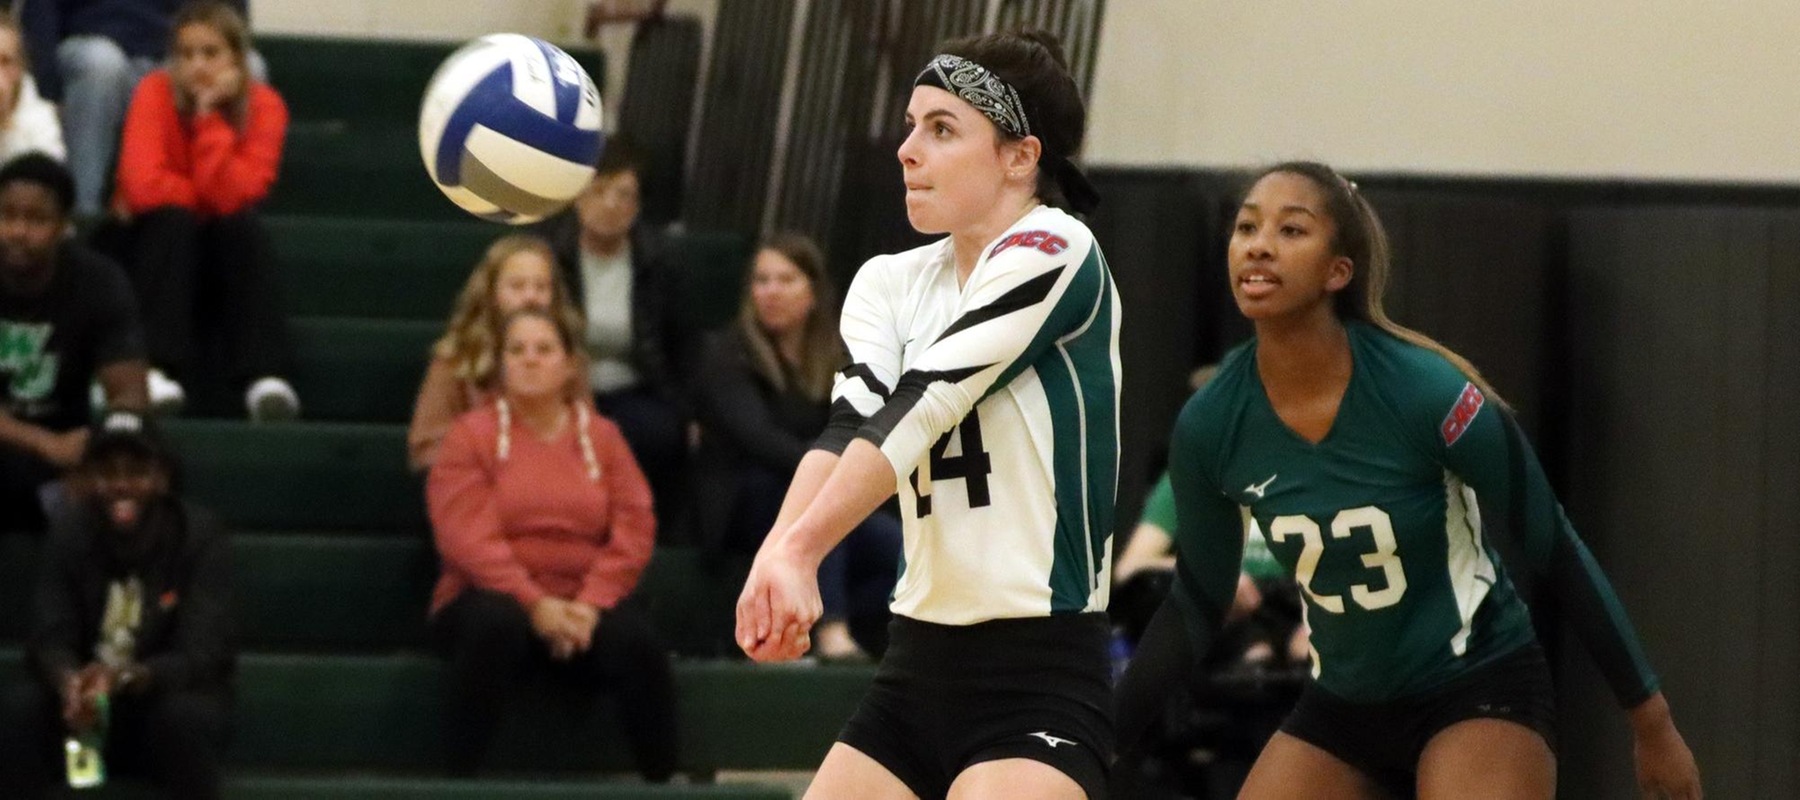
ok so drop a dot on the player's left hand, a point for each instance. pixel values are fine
(1665, 766)
(779, 604)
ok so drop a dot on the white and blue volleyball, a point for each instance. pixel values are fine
(510, 128)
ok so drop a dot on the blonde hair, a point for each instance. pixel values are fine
(230, 26)
(471, 342)
(1361, 238)
(821, 352)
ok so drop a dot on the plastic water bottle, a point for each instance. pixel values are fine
(85, 767)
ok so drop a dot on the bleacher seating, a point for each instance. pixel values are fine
(338, 693)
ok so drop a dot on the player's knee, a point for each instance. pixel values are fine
(1015, 777)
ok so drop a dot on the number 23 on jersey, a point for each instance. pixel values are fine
(1384, 557)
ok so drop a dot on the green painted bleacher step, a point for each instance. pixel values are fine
(352, 145)
(301, 475)
(328, 169)
(368, 592)
(389, 269)
(365, 787)
(336, 712)
(413, 269)
(360, 369)
(380, 788)
(367, 82)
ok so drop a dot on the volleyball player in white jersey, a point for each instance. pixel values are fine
(984, 389)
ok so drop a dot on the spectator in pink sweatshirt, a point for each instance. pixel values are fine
(544, 525)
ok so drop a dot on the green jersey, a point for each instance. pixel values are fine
(1159, 510)
(1381, 522)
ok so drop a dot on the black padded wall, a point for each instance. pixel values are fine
(1473, 273)
(1684, 448)
(1157, 232)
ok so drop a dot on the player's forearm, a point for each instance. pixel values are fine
(1651, 716)
(126, 386)
(815, 467)
(860, 481)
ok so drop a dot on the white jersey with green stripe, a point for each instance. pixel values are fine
(996, 401)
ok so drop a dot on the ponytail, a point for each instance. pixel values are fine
(1363, 239)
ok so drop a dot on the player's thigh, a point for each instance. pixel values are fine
(1022, 778)
(1291, 768)
(1487, 759)
(850, 774)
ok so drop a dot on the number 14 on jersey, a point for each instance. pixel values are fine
(971, 466)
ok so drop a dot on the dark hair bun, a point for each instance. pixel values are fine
(1049, 41)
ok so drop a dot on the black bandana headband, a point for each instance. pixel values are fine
(1000, 103)
(994, 98)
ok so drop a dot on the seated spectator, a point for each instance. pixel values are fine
(517, 272)
(1255, 634)
(89, 54)
(544, 525)
(763, 392)
(623, 286)
(130, 647)
(28, 122)
(67, 320)
(201, 147)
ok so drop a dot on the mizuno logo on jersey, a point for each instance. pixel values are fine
(1259, 488)
(1456, 423)
(1053, 741)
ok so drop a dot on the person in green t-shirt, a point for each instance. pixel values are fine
(1368, 454)
(1142, 570)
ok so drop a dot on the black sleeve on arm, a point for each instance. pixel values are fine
(1209, 544)
(1164, 658)
(1493, 457)
(1586, 596)
(846, 421)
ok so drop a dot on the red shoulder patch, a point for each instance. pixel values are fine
(1043, 241)
(1457, 421)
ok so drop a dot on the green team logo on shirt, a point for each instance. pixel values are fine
(22, 356)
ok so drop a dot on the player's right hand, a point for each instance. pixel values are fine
(1666, 769)
(778, 607)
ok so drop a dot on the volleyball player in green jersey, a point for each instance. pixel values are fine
(1367, 453)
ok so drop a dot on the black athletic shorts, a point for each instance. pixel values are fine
(1384, 740)
(950, 696)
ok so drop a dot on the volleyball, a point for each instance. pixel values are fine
(510, 128)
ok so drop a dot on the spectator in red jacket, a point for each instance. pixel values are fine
(544, 525)
(201, 147)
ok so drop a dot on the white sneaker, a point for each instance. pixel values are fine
(166, 396)
(271, 399)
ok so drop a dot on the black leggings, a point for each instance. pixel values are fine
(488, 640)
(175, 738)
(187, 268)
